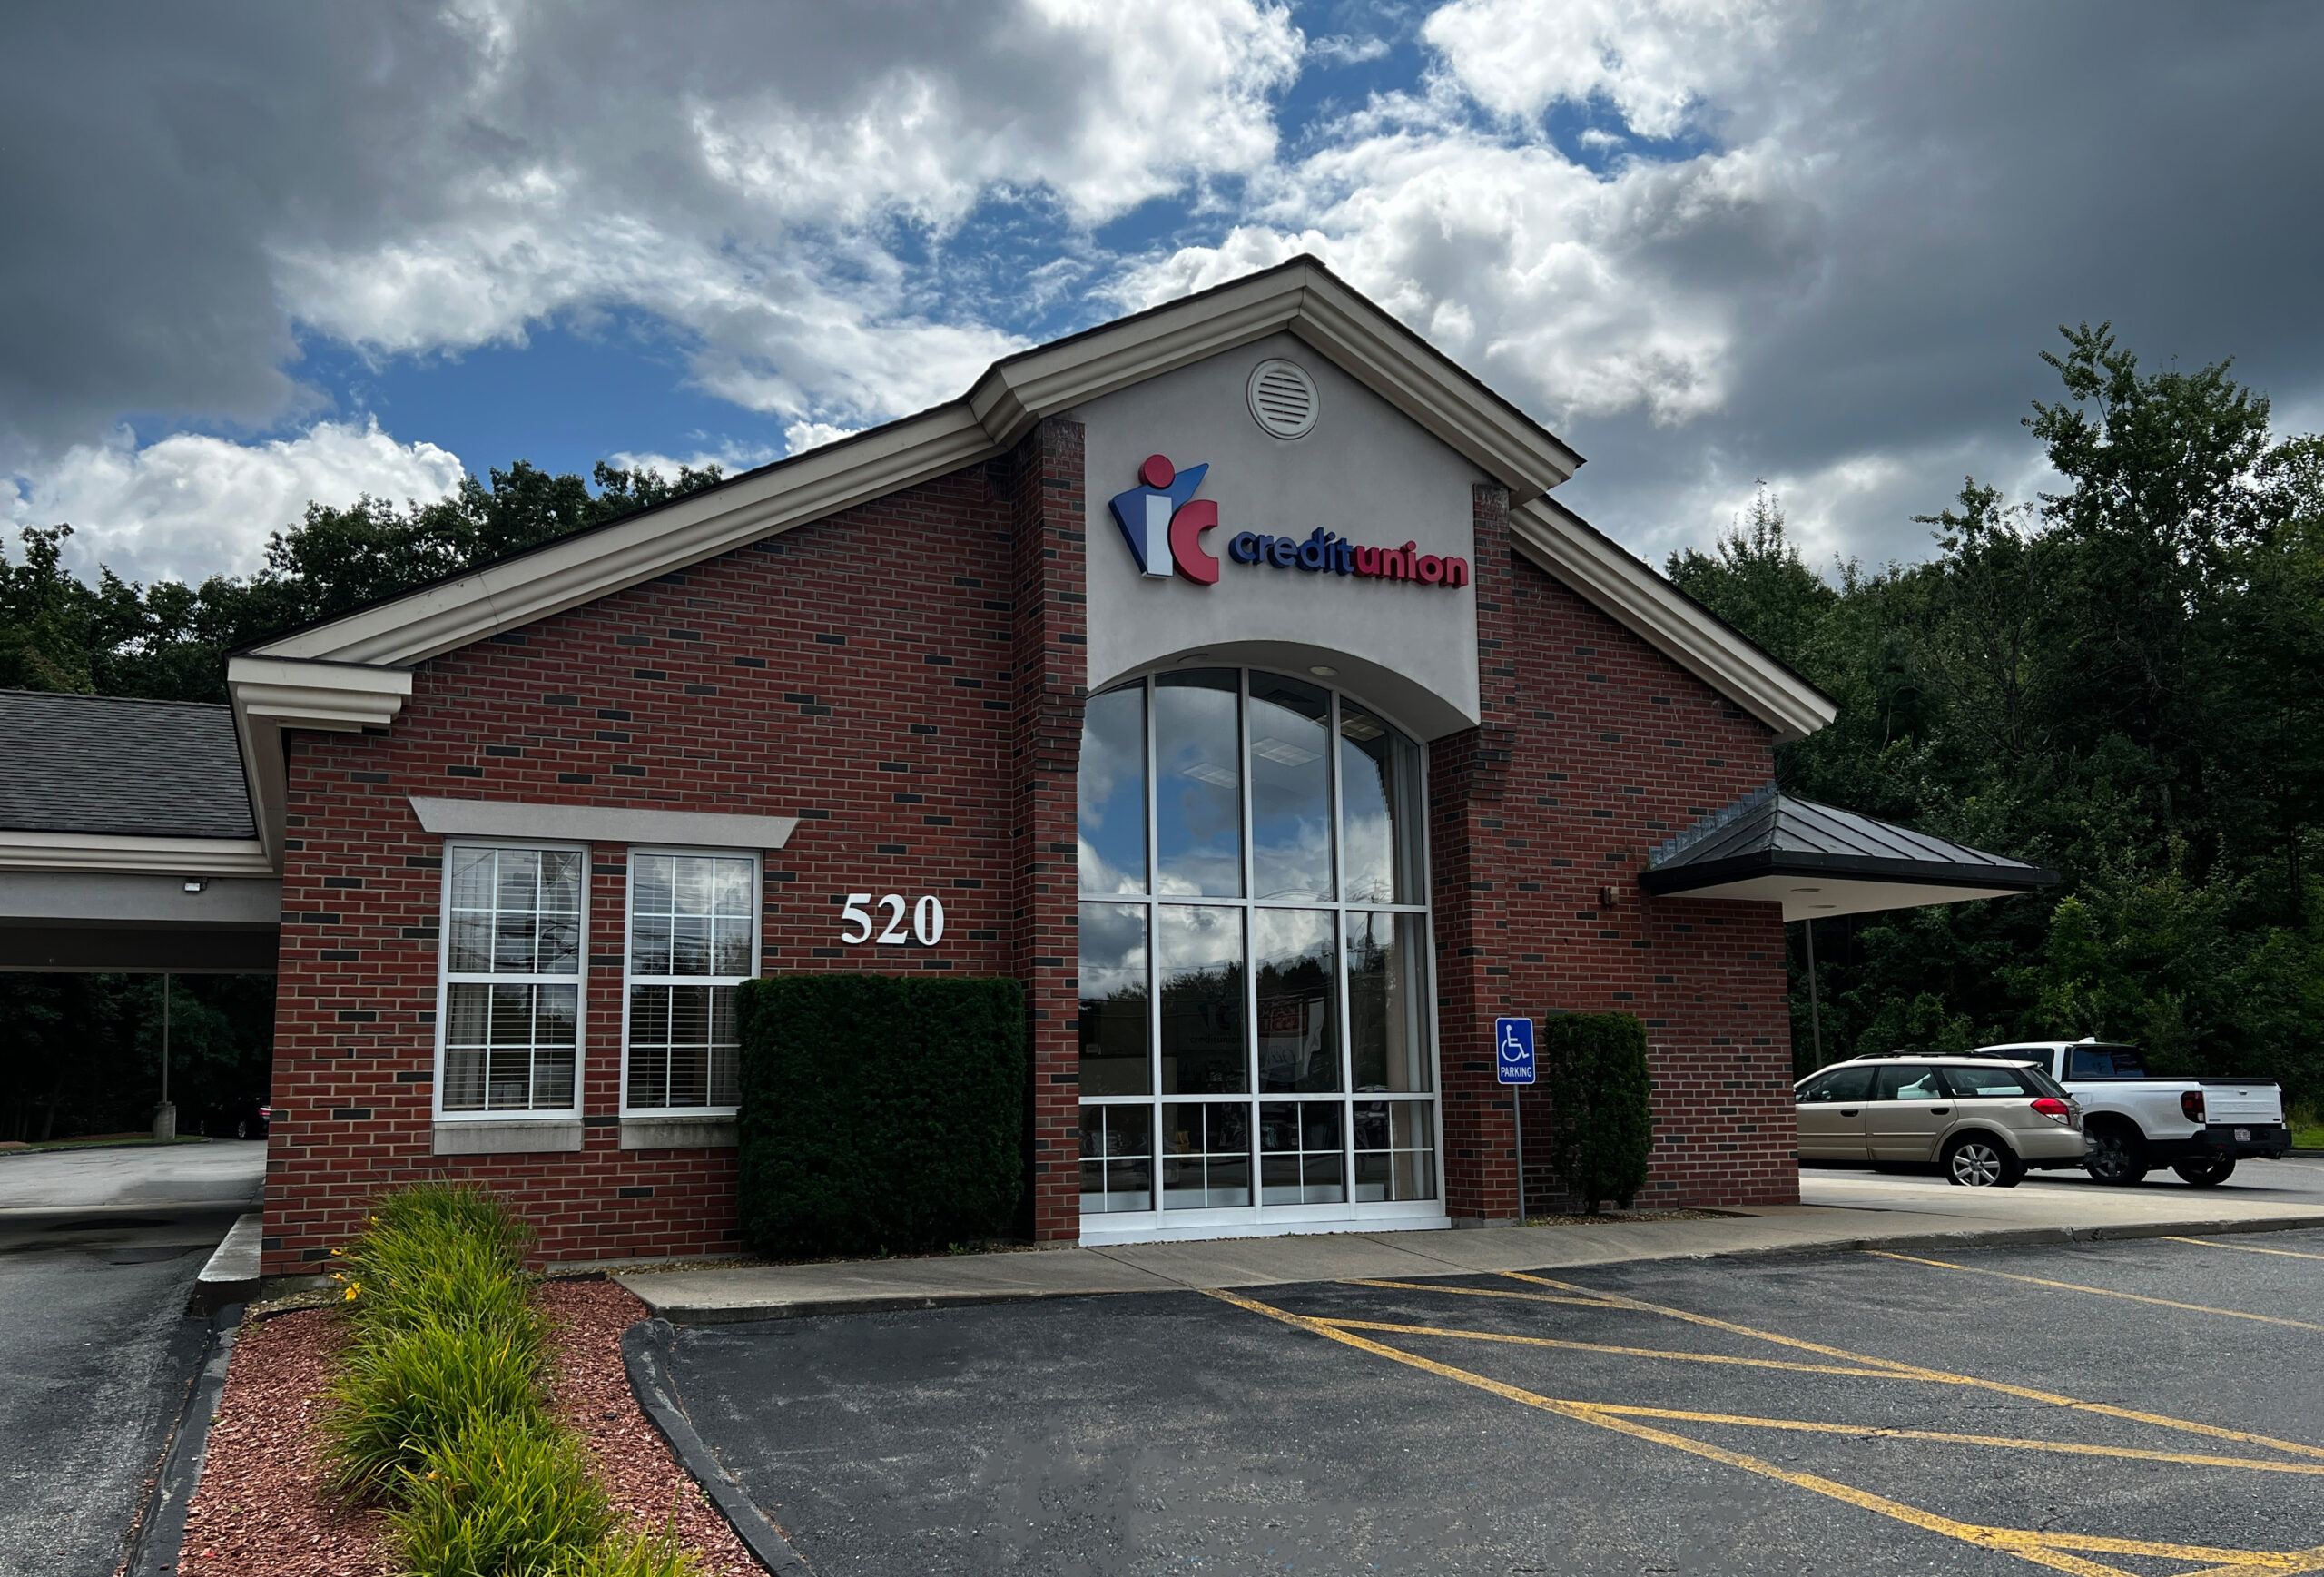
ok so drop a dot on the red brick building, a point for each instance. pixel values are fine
(1226, 675)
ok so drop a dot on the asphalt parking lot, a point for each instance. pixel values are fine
(2137, 1407)
(98, 1252)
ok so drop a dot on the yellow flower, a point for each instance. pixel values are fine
(353, 1288)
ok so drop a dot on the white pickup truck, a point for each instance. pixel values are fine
(2198, 1127)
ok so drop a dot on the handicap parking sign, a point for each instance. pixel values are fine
(1514, 1038)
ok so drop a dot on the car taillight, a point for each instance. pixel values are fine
(2190, 1102)
(2054, 1109)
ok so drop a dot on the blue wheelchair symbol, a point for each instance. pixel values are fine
(1514, 1038)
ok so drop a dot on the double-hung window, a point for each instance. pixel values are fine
(512, 979)
(693, 942)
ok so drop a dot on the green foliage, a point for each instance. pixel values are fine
(444, 1334)
(1601, 1128)
(83, 1053)
(411, 1391)
(640, 1557)
(880, 1114)
(503, 1495)
(436, 1407)
(2124, 681)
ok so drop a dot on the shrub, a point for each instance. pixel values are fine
(408, 1391)
(511, 1495)
(1601, 1124)
(879, 1113)
(456, 1211)
(401, 1280)
(638, 1557)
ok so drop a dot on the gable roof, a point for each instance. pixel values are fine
(310, 677)
(114, 764)
(1818, 859)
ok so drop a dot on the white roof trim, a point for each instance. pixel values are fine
(1627, 590)
(600, 823)
(1301, 297)
(112, 851)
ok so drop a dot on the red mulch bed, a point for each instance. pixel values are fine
(634, 1462)
(259, 1511)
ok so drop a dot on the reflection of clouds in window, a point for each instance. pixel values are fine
(1297, 995)
(1113, 949)
(1379, 800)
(1198, 808)
(1291, 789)
(1111, 857)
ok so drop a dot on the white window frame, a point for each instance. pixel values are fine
(1159, 1223)
(757, 858)
(579, 980)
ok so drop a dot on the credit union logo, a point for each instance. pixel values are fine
(1164, 523)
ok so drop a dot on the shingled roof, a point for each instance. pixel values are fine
(1818, 859)
(112, 765)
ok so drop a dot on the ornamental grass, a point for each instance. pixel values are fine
(438, 1412)
(504, 1495)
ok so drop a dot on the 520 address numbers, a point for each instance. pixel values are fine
(927, 920)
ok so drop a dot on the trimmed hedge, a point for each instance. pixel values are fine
(879, 1113)
(1601, 1122)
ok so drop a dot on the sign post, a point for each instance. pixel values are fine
(1512, 1061)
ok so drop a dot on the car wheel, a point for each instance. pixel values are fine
(242, 1130)
(2114, 1156)
(1976, 1161)
(2205, 1171)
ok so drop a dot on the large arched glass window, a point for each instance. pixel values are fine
(1254, 957)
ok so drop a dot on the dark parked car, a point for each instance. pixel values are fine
(243, 1118)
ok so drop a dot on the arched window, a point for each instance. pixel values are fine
(1255, 1037)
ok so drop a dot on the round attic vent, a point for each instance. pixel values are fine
(1283, 398)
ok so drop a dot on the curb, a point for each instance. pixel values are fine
(230, 1275)
(645, 1354)
(673, 1315)
(159, 1540)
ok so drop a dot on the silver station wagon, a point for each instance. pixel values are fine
(1982, 1122)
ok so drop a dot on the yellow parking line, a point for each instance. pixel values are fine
(2100, 1291)
(2003, 1442)
(2249, 1249)
(2026, 1546)
(2097, 1546)
(1916, 1371)
(1605, 1348)
(1482, 1292)
(2260, 1565)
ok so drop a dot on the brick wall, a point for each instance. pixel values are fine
(847, 673)
(1594, 747)
(1051, 654)
(908, 678)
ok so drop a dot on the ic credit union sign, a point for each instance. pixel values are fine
(1165, 525)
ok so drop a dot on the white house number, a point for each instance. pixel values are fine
(863, 925)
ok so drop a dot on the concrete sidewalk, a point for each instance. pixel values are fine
(1842, 1210)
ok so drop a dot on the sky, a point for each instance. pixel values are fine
(254, 255)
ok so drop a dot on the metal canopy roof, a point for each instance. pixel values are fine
(1816, 859)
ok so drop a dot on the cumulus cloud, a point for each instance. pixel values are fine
(1651, 60)
(1708, 239)
(192, 505)
(416, 178)
(1576, 294)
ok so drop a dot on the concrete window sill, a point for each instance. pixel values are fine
(679, 1133)
(509, 1137)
